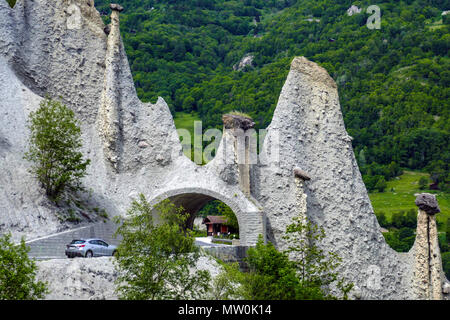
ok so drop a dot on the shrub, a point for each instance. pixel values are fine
(381, 185)
(54, 145)
(18, 273)
(155, 259)
(226, 211)
(423, 183)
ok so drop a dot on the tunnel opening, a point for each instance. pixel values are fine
(228, 245)
(250, 218)
(208, 216)
(217, 219)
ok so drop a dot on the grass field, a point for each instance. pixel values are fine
(399, 195)
(436, 24)
(185, 120)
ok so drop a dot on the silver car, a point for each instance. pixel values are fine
(89, 248)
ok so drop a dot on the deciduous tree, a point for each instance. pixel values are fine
(156, 254)
(18, 272)
(54, 144)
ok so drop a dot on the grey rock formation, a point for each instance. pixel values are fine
(60, 48)
(247, 60)
(428, 276)
(93, 279)
(116, 7)
(428, 203)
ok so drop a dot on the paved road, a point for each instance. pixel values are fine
(208, 244)
(53, 246)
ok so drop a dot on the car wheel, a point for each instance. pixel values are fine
(114, 254)
(89, 254)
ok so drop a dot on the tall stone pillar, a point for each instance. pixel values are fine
(243, 139)
(109, 114)
(428, 273)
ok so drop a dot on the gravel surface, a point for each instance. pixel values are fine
(91, 279)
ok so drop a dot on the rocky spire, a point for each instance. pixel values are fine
(428, 274)
(109, 114)
(240, 136)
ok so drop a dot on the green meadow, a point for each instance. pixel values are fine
(184, 120)
(400, 195)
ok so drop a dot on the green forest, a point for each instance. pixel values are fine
(393, 81)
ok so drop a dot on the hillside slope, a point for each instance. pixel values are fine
(393, 82)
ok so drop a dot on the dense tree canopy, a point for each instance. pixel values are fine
(393, 82)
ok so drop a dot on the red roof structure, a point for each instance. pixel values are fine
(215, 220)
(215, 225)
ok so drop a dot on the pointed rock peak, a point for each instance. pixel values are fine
(313, 71)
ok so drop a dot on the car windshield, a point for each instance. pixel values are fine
(77, 241)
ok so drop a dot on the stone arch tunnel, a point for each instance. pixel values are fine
(250, 218)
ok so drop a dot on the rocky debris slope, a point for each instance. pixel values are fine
(92, 279)
(60, 48)
(53, 247)
(79, 278)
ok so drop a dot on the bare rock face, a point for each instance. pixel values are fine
(247, 60)
(353, 10)
(309, 133)
(93, 279)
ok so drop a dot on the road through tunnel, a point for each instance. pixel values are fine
(250, 219)
(192, 203)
